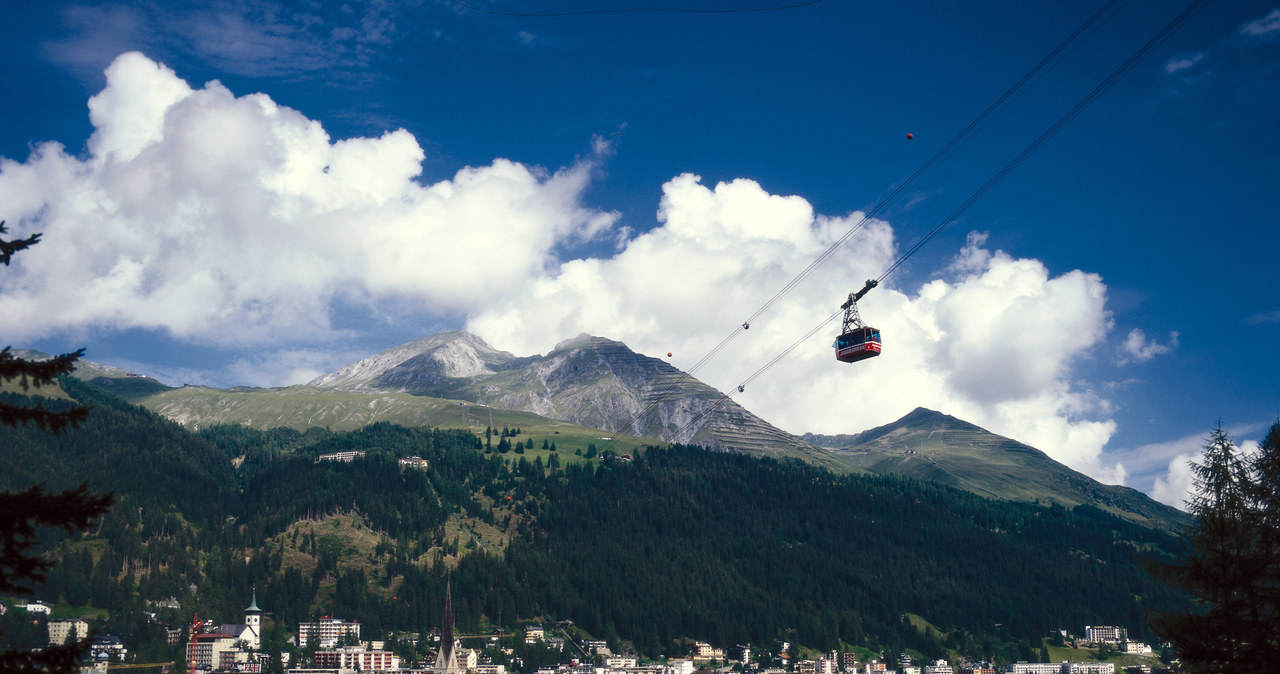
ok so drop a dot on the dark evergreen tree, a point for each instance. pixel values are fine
(34, 373)
(23, 513)
(1230, 626)
(1265, 468)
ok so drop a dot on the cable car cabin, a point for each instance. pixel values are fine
(857, 344)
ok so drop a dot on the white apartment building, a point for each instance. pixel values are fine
(1035, 668)
(1061, 668)
(327, 632)
(59, 629)
(1105, 634)
(358, 658)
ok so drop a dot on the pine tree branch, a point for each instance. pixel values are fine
(36, 372)
(8, 248)
(23, 513)
(44, 418)
(64, 658)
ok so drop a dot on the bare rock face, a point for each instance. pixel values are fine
(586, 380)
(418, 365)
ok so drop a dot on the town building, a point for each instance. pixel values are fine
(107, 647)
(1035, 668)
(1061, 668)
(229, 645)
(703, 651)
(343, 457)
(38, 607)
(60, 629)
(938, 667)
(357, 658)
(414, 462)
(1105, 634)
(327, 632)
(534, 633)
(1090, 668)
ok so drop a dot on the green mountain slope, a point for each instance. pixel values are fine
(303, 407)
(928, 445)
(676, 543)
(455, 380)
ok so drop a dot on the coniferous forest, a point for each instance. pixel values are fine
(645, 551)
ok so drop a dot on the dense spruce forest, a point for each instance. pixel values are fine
(646, 551)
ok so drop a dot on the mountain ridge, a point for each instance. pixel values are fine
(930, 445)
(595, 389)
(587, 380)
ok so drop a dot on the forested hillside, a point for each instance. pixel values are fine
(671, 543)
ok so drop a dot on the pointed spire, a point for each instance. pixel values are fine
(446, 627)
(253, 605)
(447, 658)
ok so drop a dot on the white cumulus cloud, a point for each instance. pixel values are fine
(1174, 486)
(1137, 348)
(1177, 484)
(233, 220)
(994, 345)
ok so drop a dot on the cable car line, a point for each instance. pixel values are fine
(1177, 22)
(937, 157)
(883, 204)
(1071, 114)
(902, 187)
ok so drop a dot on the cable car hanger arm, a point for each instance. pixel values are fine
(854, 297)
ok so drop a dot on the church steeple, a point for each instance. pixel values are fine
(447, 656)
(253, 605)
(253, 622)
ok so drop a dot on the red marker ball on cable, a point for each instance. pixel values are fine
(910, 136)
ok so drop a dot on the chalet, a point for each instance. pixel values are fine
(38, 607)
(534, 633)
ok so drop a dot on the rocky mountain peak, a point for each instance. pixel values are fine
(457, 354)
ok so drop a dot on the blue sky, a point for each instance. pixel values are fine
(256, 193)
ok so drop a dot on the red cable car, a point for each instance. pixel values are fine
(857, 341)
(858, 344)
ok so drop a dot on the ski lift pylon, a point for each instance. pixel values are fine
(857, 341)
